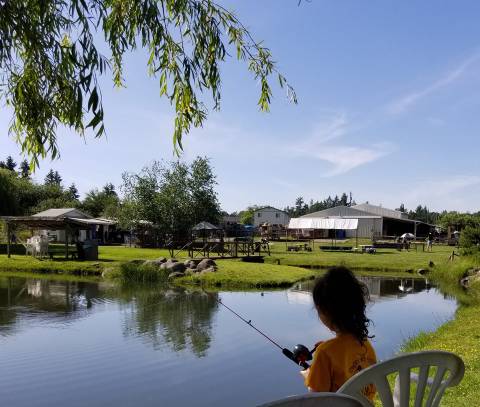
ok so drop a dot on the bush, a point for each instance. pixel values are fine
(470, 239)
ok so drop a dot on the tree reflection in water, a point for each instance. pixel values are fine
(174, 316)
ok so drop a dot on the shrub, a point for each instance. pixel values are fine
(142, 273)
(470, 239)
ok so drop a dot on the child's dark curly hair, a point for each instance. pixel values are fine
(343, 298)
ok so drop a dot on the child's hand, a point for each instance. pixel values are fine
(304, 373)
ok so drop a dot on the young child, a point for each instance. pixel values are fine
(340, 300)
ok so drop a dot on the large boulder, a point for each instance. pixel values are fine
(157, 262)
(168, 263)
(190, 263)
(205, 264)
(176, 267)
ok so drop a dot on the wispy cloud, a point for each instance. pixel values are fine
(323, 145)
(405, 102)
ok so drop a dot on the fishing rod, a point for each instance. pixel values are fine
(300, 354)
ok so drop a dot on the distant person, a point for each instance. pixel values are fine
(340, 300)
(430, 242)
(13, 238)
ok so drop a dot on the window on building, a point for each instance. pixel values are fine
(259, 215)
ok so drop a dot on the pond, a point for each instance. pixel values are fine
(97, 344)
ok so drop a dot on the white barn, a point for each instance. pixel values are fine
(368, 224)
(373, 221)
(270, 215)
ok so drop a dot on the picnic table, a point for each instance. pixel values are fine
(299, 247)
(60, 251)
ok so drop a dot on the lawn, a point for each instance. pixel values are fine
(460, 336)
(234, 273)
(384, 259)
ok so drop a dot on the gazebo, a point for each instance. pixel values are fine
(69, 220)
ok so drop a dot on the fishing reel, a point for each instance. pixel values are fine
(300, 355)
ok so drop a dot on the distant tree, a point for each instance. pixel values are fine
(246, 216)
(3, 165)
(109, 189)
(470, 239)
(173, 196)
(401, 208)
(53, 178)
(10, 164)
(96, 202)
(24, 169)
(73, 191)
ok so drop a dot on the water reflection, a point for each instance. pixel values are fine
(174, 316)
(382, 287)
(162, 316)
(48, 300)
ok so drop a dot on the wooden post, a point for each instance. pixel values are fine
(66, 242)
(8, 239)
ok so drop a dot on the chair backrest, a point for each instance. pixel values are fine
(316, 400)
(447, 369)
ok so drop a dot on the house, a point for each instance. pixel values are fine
(367, 221)
(270, 215)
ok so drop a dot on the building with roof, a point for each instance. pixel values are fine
(364, 220)
(271, 216)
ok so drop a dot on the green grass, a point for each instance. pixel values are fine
(232, 273)
(460, 336)
(237, 274)
(384, 259)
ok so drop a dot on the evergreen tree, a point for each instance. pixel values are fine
(10, 164)
(24, 169)
(73, 192)
(53, 178)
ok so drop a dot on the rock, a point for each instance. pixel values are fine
(423, 271)
(175, 274)
(157, 262)
(208, 270)
(176, 267)
(464, 282)
(169, 263)
(191, 263)
(160, 260)
(206, 263)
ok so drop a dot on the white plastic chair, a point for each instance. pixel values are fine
(316, 400)
(444, 362)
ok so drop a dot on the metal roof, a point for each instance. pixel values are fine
(205, 226)
(63, 213)
(340, 212)
(51, 223)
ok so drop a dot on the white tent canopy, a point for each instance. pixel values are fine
(323, 223)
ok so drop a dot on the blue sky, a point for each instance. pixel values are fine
(389, 109)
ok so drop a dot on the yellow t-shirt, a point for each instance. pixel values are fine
(338, 359)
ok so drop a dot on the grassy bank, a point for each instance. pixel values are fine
(237, 274)
(460, 336)
(231, 273)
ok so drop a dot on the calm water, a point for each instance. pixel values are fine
(78, 344)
